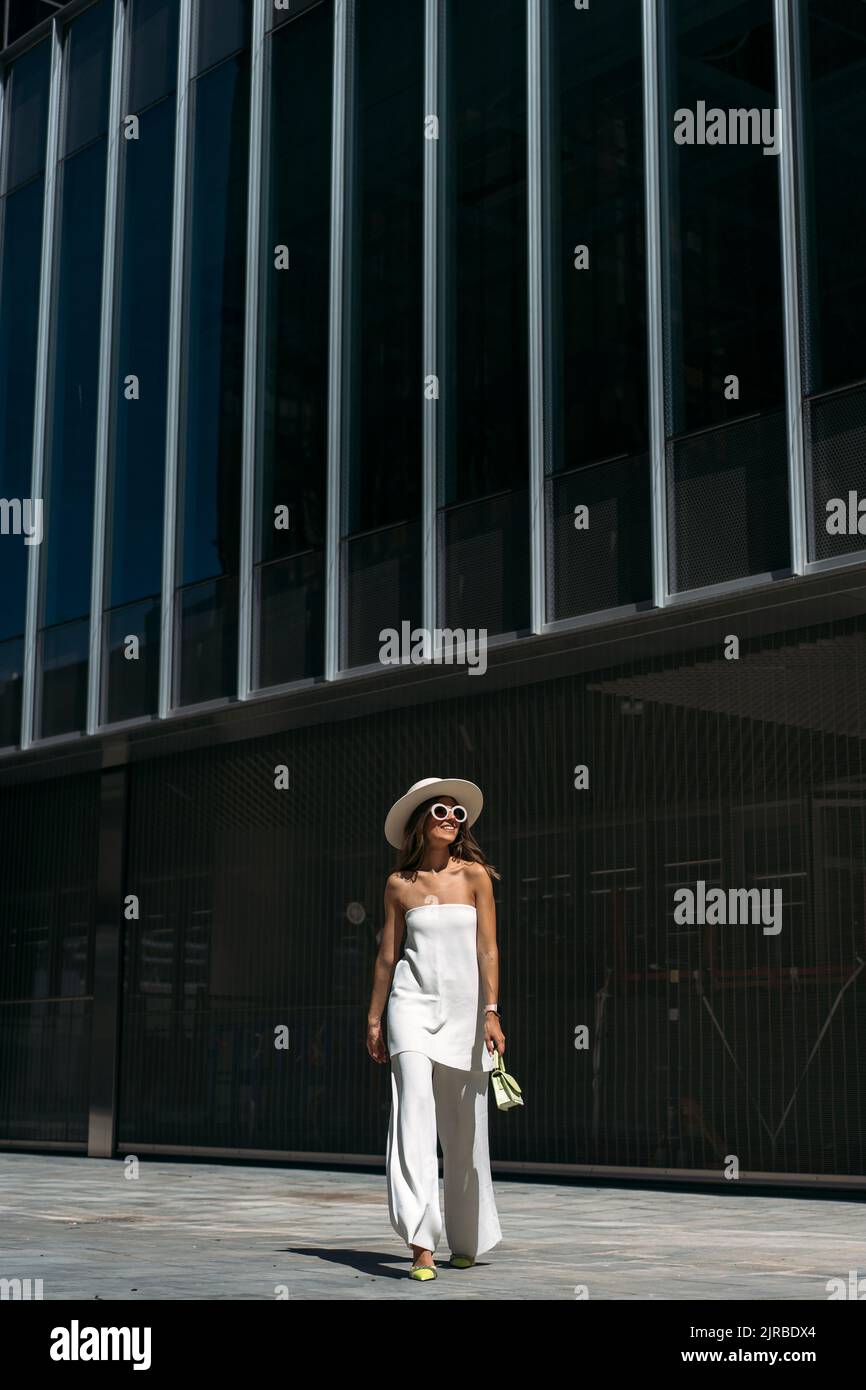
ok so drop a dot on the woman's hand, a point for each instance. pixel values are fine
(376, 1043)
(494, 1038)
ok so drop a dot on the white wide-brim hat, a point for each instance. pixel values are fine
(466, 793)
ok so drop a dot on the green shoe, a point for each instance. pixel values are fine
(422, 1272)
(460, 1262)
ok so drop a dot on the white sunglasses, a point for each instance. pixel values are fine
(442, 812)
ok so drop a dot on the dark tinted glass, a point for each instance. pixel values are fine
(292, 619)
(833, 164)
(281, 10)
(73, 387)
(131, 669)
(24, 15)
(134, 519)
(724, 278)
(88, 70)
(606, 562)
(11, 671)
(211, 468)
(153, 51)
(595, 111)
(62, 698)
(208, 641)
(484, 573)
(384, 475)
(728, 503)
(383, 588)
(486, 389)
(295, 300)
(221, 28)
(19, 308)
(27, 98)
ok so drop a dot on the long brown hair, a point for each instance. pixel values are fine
(465, 846)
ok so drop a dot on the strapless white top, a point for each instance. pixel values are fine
(436, 1005)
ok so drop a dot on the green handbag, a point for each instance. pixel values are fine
(505, 1088)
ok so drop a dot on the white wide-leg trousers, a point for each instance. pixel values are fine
(428, 1098)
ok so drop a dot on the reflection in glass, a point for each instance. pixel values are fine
(88, 57)
(153, 51)
(131, 669)
(27, 108)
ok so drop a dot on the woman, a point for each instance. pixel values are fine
(442, 1036)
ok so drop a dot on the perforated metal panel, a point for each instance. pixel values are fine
(835, 436)
(262, 907)
(48, 865)
(606, 562)
(728, 503)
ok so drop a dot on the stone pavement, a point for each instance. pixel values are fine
(187, 1230)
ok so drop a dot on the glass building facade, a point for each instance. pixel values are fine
(328, 318)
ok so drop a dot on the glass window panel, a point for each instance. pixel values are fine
(834, 166)
(74, 381)
(208, 652)
(153, 51)
(294, 372)
(289, 9)
(210, 482)
(88, 72)
(384, 482)
(292, 617)
(24, 15)
(27, 98)
(221, 29)
(486, 391)
(132, 669)
(724, 281)
(62, 698)
(135, 512)
(19, 310)
(11, 670)
(596, 200)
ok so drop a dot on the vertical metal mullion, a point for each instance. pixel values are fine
(175, 339)
(537, 365)
(658, 479)
(336, 308)
(104, 407)
(40, 405)
(430, 331)
(790, 262)
(251, 341)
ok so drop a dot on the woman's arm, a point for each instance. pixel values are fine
(386, 959)
(488, 957)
